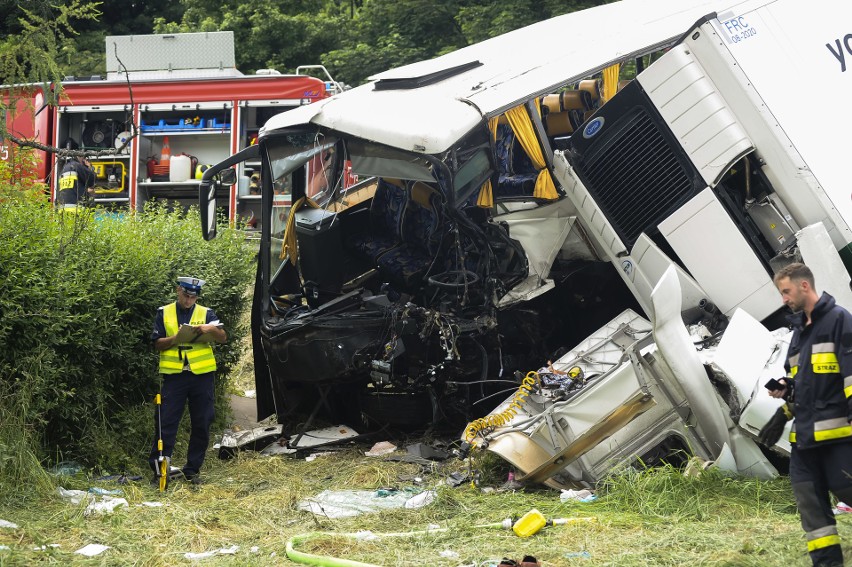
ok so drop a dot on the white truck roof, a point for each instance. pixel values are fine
(512, 67)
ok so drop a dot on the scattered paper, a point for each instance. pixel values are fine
(92, 549)
(313, 456)
(106, 505)
(449, 553)
(204, 555)
(7, 524)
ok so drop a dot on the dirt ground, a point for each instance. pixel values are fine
(244, 412)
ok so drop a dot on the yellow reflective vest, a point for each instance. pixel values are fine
(197, 356)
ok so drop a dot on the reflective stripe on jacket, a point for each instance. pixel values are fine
(198, 356)
(820, 363)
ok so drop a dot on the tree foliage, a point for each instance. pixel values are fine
(77, 300)
(352, 38)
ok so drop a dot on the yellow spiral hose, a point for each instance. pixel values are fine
(496, 420)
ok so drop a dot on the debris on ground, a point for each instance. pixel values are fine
(7, 524)
(205, 554)
(66, 468)
(381, 448)
(427, 452)
(457, 479)
(105, 504)
(348, 503)
(249, 440)
(578, 495)
(92, 549)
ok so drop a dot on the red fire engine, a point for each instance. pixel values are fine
(189, 115)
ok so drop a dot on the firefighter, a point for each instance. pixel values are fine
(188, 369)
(76, 181)
(818, 395)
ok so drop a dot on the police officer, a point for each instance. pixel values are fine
(818, 395)
(183, 333)
(76, 181)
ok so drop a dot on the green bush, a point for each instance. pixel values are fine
(78, 294)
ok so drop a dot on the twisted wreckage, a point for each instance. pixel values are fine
(518, 200)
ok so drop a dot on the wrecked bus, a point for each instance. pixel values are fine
(522, 201)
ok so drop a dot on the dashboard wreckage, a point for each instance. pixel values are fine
(518, 203)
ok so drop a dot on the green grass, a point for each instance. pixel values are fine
(643, 518)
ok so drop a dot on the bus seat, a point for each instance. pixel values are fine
(563, 123)
(552, 103)
(386, 211)
(422, 238)
(576, 100)
(591, 86)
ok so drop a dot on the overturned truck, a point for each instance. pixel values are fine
(616, 203)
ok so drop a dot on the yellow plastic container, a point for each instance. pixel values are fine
(529, 523)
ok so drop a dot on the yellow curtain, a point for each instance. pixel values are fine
(289, 244)
(486, 195)
(521, 124)
(610, 81)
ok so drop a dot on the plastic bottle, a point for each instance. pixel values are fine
(529, 523)
(166, 155)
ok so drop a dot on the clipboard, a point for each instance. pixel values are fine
(187, 334)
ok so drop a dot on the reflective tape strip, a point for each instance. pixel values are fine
(67, 180)
(793, 371)
(793, 360)
(825, 363)
(836, 428)
(792, 437)
(821, 532)
(847, 386)
(823, 542)
(787, 412)
(823, 347)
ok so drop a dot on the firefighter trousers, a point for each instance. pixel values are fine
(814, 473)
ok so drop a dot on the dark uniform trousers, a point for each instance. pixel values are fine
(177, 390)
(813, 473)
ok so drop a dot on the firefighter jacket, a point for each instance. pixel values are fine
(819, 362)
(74, 183)
(195, 357)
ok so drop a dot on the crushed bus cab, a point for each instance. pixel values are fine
(521, 201)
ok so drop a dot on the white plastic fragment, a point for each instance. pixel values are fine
(420, 500)
(106, 505)
(7, 524)
(381, 448)
(204, 555)
(449, 553)
(579, 495)
(92, 549)
(74, 496)
(207, 554)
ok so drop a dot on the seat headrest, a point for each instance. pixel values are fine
(422, 194)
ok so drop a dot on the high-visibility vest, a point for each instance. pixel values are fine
(199, 356)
